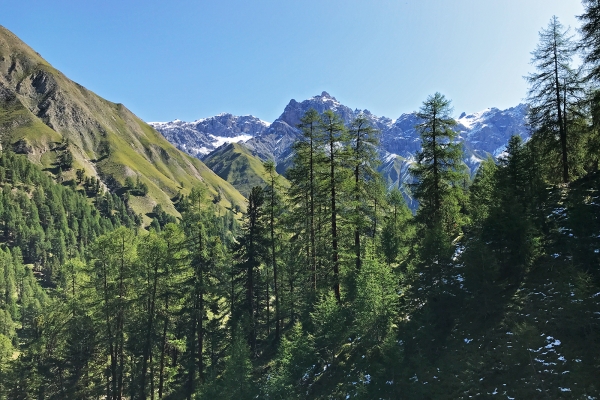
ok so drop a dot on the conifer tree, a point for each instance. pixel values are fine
(335, 140)
(438, 170)
(362, 159)
(590, 38)
(237, 380)
(251, 253)
(204, 273)
(306, 190)
(295, 360)
(554, 89)
(114, 258)
(510, 228)
(396, 230)
(273, 208)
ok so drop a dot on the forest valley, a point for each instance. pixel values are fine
(329, 287)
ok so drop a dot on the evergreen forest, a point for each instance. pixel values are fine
(327, 286)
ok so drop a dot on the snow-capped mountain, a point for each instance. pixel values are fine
(483, 134)
(275, 143)
(490, 129)
(201, 137)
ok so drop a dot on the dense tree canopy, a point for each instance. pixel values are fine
(330, 287)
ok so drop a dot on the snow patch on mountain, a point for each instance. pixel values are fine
(219, 141)
(204, 135)
(471, 120)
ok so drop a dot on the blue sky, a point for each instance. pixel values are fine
(192, 59)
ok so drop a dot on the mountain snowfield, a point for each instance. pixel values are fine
(483, 134)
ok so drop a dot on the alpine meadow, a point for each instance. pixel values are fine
(330, 254)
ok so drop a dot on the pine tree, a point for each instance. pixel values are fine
(510, 228)
(65, 160)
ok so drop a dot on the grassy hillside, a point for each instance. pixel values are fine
(236, 164)
(45, 113)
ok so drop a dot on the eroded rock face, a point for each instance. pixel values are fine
(38, 90)
(489, 130)
(294, 111)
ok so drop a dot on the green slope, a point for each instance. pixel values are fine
(236, 164)
(43, 107)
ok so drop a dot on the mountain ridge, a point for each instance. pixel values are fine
(40, 108)
(484, 133)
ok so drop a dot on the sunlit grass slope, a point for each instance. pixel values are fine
(43, 108)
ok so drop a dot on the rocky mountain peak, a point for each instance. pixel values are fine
(294, 111)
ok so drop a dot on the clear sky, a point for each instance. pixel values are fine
(193, 59)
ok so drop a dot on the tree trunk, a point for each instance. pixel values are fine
(561, 122)
(163, 347)
(274, 260)
(150, 327)
(334, 239)
(312, 215)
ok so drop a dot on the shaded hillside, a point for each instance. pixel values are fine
(45, 115)
(236, 164)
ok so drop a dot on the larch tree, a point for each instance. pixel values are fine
(438, 170)
(251, 253)
(363, 160)
(554, 89)
(336, 136)
(113, 263)
(273, 205)
(396, 229)
(590, 38)
(305, 192)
